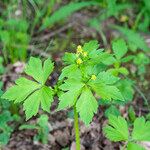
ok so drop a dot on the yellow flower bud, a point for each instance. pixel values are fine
(123, 18)
(79, 61)
(84, 54)
(93, 77)
(79, 49)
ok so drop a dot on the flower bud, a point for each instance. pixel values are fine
(79, 49)
(93, 77)
(79, 61)
(84, 54)
(123, 18)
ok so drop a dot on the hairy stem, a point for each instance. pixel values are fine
(76, 127)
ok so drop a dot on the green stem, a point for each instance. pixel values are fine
(76, 127)
(103, 37)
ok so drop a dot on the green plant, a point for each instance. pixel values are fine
(42, 129)
(118, 10)
(15, 39)
(108, 9)
(79, 81)
(83, 78)
(125, 85)
(1, 66)
(15, 33)
(133, 38)
(5, 129)
(141, 60)
(41, 11)
(118, 130)
(6, 121)
(142, 21)
(64, 12)
(120, 50)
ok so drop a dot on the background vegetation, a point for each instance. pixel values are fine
(49, 28)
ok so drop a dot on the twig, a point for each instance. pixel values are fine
(51, 34)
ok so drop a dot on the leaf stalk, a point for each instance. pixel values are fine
(76, 127)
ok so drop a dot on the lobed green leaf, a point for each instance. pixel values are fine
(72, 89)
(119, 48)
(86, 105)
(71, 71)
(37, 71)
(33, 93)
(141, 130)
(117, 130)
